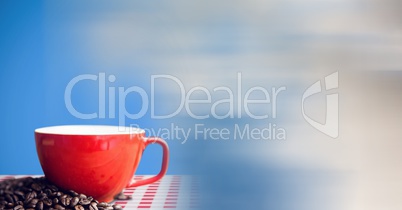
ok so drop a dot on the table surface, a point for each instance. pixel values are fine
(171, 192)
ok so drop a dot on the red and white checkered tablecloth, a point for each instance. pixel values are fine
(174, 192)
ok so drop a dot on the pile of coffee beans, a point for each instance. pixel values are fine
(38, 194)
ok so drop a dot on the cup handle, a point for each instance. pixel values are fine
(165, 162)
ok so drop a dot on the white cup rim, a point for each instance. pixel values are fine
(90, 130)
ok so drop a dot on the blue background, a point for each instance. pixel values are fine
(23, 84)
(40, 52)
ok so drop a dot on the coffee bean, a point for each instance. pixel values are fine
(36, 186)
(79, 207)
(39, 205)
(20, 194)
(55, 201)
(82, 196)
(19, 203)
(19, 207)
(69, 198)
(121, 196)
(103, 204)
(58, 194)
(29, 197)
(74, 201)
(59, 207)
(25, 189)
(48, 192)
(117, 207)
(65, 200)
(42, 196)
(39, 194)
(15, 197)
(84, 201)
(93, 206)
(73, 193)
(9, 198)
(52, 188)
(47, 202)
(8, 191)
(10, 205)
(32, 203)
(28, 180)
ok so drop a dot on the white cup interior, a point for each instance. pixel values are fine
(89, 130)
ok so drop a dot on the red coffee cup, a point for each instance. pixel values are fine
(95, 160)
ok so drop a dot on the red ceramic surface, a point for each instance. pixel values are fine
(90, 160)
